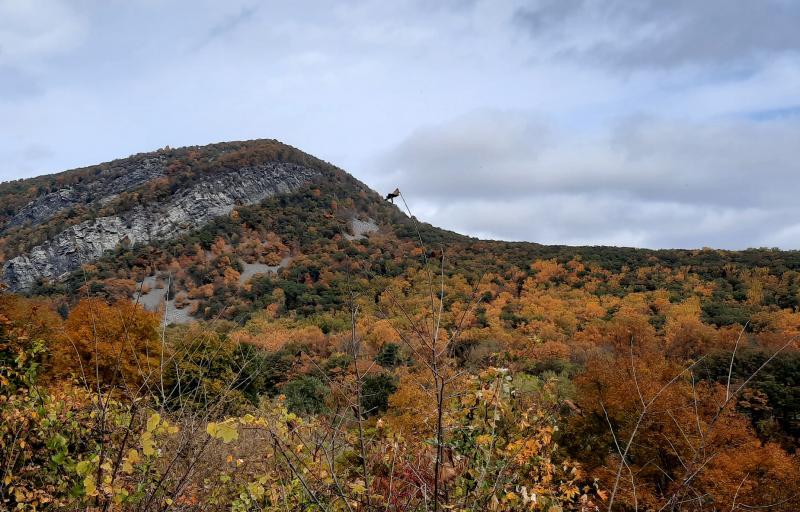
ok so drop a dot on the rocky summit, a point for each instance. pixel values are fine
(188, 209)
(193, 198)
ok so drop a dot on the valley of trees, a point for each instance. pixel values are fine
(414, 369)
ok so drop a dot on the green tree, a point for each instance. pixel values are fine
(305, 395)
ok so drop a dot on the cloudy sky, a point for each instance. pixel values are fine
(652, 123)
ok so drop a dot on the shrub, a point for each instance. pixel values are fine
(305, 395)
(375, 393)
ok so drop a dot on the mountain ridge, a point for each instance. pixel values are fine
(191, 208)
(52, 225)
(125, 203)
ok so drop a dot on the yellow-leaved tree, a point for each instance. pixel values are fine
(109, 344)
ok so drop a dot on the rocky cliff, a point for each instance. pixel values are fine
(103, 188)
(190, 208)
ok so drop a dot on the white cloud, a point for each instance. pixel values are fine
(566, 124)
(664, 34)
(31, 30)
(649, 182)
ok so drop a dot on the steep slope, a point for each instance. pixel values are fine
(78, 215)
(201, 223)
(184, 211)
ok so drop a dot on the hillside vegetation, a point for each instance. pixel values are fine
(408, 369)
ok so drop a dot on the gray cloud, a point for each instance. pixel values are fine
(551, 136)
(458, 158)
(37, 29)
(665, 34)
(228, 25)
(648, 182)
(599, 219)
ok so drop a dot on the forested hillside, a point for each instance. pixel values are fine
(312, 346)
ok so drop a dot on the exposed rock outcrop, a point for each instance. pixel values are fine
(361, 228)
(189, 209)
(106, 185)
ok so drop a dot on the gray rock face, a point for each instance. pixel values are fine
(44, 207)
(361, 228)
(103, 188)
(252, 269)
(189, 209)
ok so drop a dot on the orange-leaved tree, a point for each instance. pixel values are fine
(661, 439)
(110, 344)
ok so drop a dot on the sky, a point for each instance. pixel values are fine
(644, 123)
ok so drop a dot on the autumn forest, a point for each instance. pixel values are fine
(322, 349)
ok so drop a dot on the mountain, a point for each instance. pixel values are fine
(120, 216)
(302, 331)
(52, 225)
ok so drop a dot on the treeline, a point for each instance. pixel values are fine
(347, 386)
